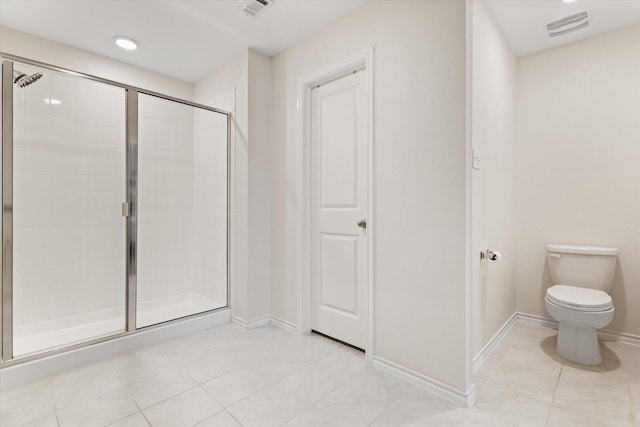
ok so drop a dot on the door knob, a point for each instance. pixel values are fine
(362, 224)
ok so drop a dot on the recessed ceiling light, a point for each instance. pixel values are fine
(569, 1)
(126, 42)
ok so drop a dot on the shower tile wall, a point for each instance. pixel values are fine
(69, 160)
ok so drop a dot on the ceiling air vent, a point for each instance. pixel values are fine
(568, 24)
(254, 8)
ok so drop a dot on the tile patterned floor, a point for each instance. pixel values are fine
(226, 377)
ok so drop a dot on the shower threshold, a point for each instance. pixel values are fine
(49, 335)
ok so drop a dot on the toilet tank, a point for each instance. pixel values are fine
(583, 266)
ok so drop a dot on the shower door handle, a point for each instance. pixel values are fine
(126, 209)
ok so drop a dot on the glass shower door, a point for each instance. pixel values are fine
(68, 231)
(182, 210)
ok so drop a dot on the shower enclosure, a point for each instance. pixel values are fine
(115, 209)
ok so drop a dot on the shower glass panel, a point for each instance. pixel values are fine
(68, 230)
(182, 210)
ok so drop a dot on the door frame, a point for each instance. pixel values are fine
(362, 60)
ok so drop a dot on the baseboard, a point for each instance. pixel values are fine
(434, 386)
(17, 374)
(490, 346)
(283, 324)
(603, 334)
(533, 319)
(250, 324)
(619, 337)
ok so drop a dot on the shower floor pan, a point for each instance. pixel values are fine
(39, 337)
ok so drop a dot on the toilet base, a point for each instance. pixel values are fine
(578, 343)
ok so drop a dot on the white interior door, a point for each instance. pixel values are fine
(339, 185)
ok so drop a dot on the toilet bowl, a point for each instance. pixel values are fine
(578, 299)
(578, 324)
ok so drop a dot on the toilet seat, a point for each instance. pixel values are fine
(581, 299)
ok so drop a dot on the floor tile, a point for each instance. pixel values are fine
(308, 418)
(608, 412)
(362, 399)
(322, 376)
(559, 417)
(211, 366)
(392, 418)
(577, 386)
(266, 408)
(273, 366)
(234, 386)
(512, 413)
(221, 419)
(511, 382)
(185, 409)
(135, 420)
(306, 348)
(271, 377)
(29, 404)
(419, 405)
(150, 377)
(90, 396)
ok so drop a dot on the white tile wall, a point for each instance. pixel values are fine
(69, 161)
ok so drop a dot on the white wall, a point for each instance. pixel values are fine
(259, 89)
(493, 185)
(227, 89)
(578, 158)
(419, 134)
(39, 49)
(249, 76)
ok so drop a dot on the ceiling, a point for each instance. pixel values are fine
(183, 39)
(523, 22)
(187, 39)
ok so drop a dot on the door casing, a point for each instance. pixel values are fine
(362, 60)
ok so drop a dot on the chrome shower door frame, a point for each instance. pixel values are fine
(7, 210)
(131, 182)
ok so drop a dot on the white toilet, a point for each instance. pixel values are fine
(579, 298)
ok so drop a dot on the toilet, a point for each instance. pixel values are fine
(579, 298)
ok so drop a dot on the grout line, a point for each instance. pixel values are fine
(493, 372)
(53, 403)
(170, 397)
(553, 397)
(625, 350)
(234, 417)
(125, 417)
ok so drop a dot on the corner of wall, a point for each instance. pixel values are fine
(259, 203)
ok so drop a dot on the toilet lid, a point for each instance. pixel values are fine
(582, 299)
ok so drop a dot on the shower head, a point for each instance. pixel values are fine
(22, 80)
